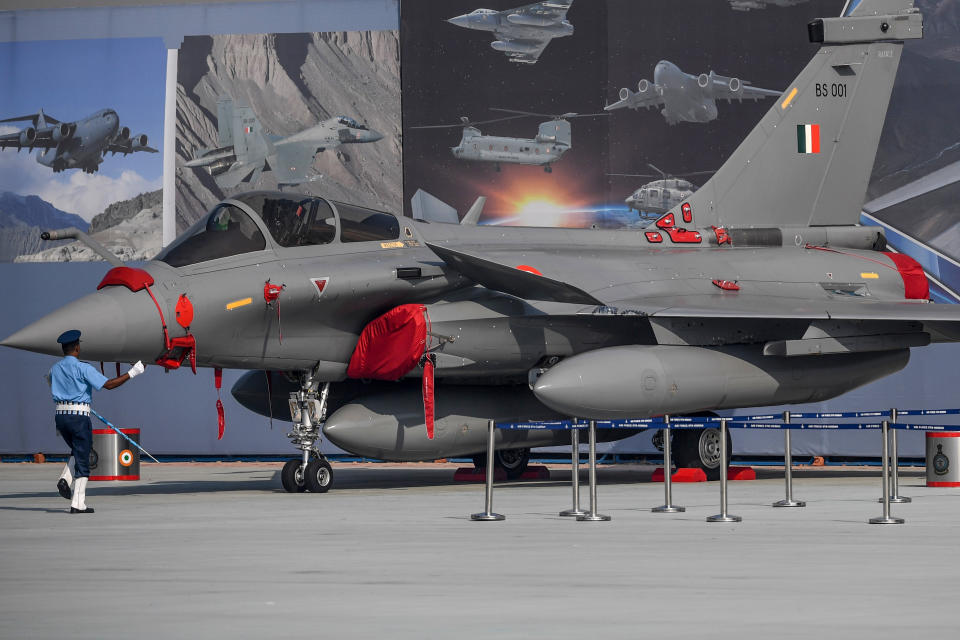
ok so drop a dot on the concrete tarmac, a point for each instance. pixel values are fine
(220, 551)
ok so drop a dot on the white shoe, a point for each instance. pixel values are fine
(78, 504)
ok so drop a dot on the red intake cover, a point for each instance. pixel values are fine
(667, 221)
(915, 283)
(390, 346)
(133, 279)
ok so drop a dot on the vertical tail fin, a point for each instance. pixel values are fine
(808, 161)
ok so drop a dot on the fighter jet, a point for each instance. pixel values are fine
(660, 196)
(74, 145)
(522, 33)
(685, 97)
(402, 338)
(747, 5)
(245, 150)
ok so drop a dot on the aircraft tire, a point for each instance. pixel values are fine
(290, 477)
(513, 461)
(319, 476)
(699, 449)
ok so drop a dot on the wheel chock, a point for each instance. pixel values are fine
(473, 474)
(536, 472)
(680, 475)
(741, 473)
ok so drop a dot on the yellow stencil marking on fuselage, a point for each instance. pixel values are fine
(869, 275)
(790, 97)
(238, 303)
(391, 245)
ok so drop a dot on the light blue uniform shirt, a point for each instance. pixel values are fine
(74, 381)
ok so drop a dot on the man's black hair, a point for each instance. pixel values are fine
(70, 347)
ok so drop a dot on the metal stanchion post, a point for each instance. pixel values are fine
(488, 514)
(885, 518)
(895, 464)
(667, 506)
(575, 472)
(723, 516)
(788, 501)
(593, 516)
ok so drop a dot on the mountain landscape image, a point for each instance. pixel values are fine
(292, 82)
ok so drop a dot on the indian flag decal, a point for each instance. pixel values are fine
(808, 138)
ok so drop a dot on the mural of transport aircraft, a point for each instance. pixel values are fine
(685, 97)
(81, 144)
(522, 33)
(245, 150)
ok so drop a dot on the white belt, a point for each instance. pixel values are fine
(73, 408)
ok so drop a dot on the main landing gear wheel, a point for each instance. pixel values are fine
(291, 478)
(513, 461)
(699, 449)
(319, 476)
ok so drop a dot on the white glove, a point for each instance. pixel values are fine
(136, 370)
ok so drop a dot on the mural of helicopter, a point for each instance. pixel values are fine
(659, 196)
(553, 139)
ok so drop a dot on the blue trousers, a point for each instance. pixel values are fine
(78, 434)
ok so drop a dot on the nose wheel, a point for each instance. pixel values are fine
(308, 409)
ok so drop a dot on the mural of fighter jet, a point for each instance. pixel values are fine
(81, 144)
(759, 289)
(522, 33)
(245, 150)
(685, 97)
(747, 5)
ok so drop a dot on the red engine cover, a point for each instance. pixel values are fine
(133, 279)
(390, 346)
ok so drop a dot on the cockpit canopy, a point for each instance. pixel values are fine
(350, 122)
(290, 220)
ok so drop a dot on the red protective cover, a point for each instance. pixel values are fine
(390, 346)
(133, 279)
(915, 283)
(428, 395)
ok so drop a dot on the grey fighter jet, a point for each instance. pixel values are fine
(74, 145)
(685, 97)
(245, 150)
(522, 33)
(759, 289)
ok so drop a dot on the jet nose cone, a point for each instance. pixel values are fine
(560, 389)
(116, 325)
(373, 135)
(460, 21)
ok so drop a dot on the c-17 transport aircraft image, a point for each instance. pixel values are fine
(685, 97)
(759, 289)
(245, 150)
(74, 145)
(522, 33)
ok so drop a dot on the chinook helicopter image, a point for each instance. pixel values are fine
(402, 338)
(553, 139)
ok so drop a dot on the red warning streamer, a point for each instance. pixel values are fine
(218, 382)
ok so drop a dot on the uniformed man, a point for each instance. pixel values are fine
(72, 383)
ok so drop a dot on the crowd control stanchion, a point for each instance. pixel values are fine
(723, 516)
(788, 501)
(667, 506)
(895, 496)
(593, 516)
(576, 511)
(885, 518)
(488, 514)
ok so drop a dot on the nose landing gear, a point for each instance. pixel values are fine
(308, 409)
